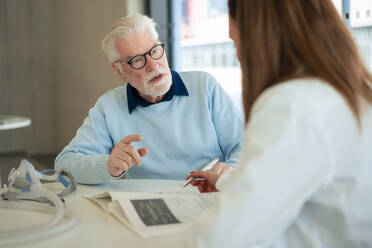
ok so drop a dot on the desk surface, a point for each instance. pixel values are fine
(95, 228)
(13, 122)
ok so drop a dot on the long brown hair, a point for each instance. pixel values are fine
(279, 36)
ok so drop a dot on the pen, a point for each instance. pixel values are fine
(205, 168)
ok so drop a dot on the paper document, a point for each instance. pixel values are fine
(154, 214)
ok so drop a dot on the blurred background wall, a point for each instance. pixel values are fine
(52, 68)
(28, 73)
(84, 72)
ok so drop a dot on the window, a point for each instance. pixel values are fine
(361, 27)
(205, 43)
(206, 46)
(338, 5)
(360, 13)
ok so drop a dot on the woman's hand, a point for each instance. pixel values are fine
(206, 180)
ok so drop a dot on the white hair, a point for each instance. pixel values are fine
(124, 29)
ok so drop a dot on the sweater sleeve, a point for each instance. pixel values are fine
(86, 156)
(270, 184)
(227, 121)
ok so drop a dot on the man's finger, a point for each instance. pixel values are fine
(131, 138)
(126, 158)
(143, 151)
(122, 165)
(133, 152)
(119, 167)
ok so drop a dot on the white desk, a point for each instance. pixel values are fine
(95, 228)
(13, 122)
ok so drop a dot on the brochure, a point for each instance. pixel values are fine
(155, 214)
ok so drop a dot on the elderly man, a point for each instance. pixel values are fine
(166, 123)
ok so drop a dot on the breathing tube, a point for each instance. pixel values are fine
(25, 191)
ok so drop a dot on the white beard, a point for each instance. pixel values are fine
(159, 88)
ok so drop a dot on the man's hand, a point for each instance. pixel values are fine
(211, 177)
(124, 156)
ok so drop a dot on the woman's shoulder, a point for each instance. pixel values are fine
(303, 87)
(305, 98)
(302, 91)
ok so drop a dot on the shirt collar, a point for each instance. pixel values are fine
(177, 88)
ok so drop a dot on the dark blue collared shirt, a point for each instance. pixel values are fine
(177, 88)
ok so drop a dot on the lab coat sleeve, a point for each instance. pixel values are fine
(87, 154)
(285, 159)
(227, 121)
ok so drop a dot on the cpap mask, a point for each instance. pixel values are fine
(25, 191)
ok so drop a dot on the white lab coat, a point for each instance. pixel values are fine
(304, 178)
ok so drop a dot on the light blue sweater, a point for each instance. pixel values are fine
(182, 134)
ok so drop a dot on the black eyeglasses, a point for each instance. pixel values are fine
(139, 61)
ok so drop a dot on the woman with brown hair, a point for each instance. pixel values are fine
(304, 178)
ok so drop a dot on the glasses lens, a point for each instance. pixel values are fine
(138, 61)
(157, 52)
